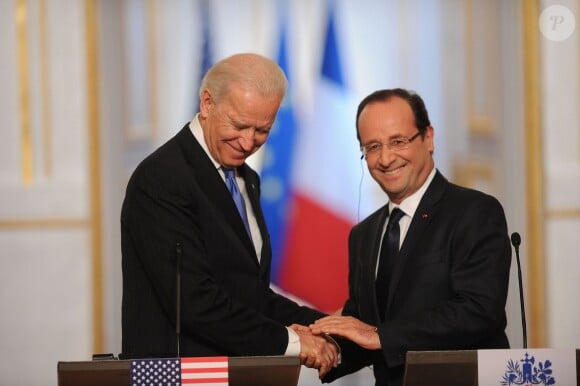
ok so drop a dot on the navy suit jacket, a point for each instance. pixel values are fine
(176, 195)
(449, 285)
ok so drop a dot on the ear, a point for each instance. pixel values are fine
(205, 103)
(430, 138)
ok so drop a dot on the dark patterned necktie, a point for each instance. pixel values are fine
(237, 196)
(388, 257)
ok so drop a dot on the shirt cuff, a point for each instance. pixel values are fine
(293, 348)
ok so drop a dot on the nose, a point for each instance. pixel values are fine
(386, 156)
(247, 139)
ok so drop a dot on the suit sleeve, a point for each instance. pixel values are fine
(353, 357)
(161, 210)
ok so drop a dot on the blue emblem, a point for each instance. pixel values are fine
(528, 374)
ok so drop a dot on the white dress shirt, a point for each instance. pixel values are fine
(409, 207)
(197, 132)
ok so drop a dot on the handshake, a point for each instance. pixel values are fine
(320, 351)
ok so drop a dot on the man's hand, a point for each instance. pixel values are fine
(316, 351)
(350, 328)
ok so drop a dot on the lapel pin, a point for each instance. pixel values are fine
(424, 215)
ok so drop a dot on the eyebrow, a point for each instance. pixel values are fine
(241, 126)
(388, 139)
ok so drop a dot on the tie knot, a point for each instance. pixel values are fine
(229, 173)
(395, 216)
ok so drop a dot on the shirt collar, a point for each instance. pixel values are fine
(197, 132)
(409, 205)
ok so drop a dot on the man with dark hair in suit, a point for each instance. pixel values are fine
(196, 200)
(437, 277)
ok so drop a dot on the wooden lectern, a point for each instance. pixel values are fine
(449, 368)
(243, 371)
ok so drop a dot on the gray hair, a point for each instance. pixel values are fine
(251, 71)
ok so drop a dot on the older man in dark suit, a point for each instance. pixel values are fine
(437, 277)
(196, 200)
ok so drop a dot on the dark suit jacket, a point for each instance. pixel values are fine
(176, 195)
(449, 284)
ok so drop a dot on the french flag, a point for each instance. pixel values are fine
(320, 194)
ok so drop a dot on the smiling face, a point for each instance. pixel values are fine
(400, 173)
(237, 125)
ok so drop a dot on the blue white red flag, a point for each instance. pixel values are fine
(325, 178)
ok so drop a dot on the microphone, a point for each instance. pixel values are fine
(178, 255)
(516, 241)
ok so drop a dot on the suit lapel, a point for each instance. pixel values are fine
(211, 183)
(419, 224)
(253, 190)
(377, 231)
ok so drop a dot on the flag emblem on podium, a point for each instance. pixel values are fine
(202, 371)
(530, 373)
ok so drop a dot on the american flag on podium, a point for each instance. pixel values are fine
(201, 371)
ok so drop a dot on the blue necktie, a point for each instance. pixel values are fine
(237, 196)
(388, 257)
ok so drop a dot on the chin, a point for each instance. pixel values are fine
(393, 192)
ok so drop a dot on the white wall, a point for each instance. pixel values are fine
(561, 148)
(45, 249)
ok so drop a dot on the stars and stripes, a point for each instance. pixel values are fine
(202, 371)
(208, 371)
(155, 371)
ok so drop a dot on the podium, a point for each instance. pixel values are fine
(243, 371)
(450, 368)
